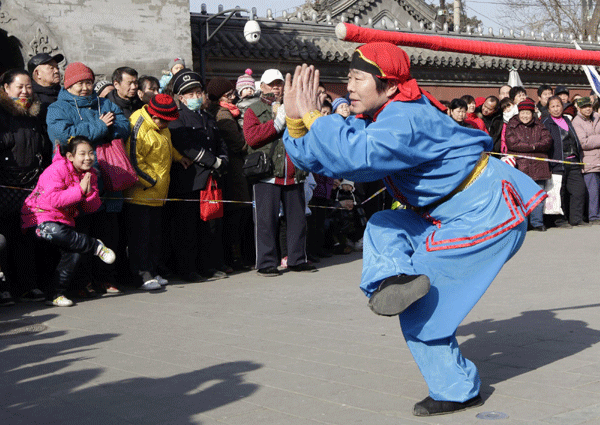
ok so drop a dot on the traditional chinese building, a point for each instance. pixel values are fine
(308, 36)
(147, 34)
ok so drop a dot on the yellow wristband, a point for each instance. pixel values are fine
(296, 128)
(310, 117)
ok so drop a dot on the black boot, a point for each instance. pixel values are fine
(431, 407)
(396, 293)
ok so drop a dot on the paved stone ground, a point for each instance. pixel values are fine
(305, 349)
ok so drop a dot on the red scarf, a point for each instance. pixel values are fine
(232, 108)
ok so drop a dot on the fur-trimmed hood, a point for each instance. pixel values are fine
(15, 109)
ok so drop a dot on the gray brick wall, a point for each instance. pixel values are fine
(106, 34)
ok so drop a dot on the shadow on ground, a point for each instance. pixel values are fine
(504, 349)
(47, 377)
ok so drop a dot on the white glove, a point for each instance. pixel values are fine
(217, 163)
(279, 121)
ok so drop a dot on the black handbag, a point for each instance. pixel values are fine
(258, 165)
(21, 180)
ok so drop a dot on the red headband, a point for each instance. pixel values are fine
(387, 61)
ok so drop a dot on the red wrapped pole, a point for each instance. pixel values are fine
(349, 32)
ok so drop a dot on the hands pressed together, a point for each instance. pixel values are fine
(86, 183)
(301, 92)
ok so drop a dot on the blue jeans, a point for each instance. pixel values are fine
(592, 182)
(536, 218)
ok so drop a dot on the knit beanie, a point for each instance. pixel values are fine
(245, 81)
(163, 106)
(175, 62)
(526, 105)
(101, 85)
(77, 72)
(337, 102)
(217, 87)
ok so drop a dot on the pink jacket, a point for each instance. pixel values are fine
(58, 196)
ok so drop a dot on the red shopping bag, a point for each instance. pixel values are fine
(116, 169)
(211, 201)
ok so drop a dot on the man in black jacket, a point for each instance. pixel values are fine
(198, 245)
(124, 95)
(45, 74)
(492, 118)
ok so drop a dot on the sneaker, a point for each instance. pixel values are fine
(60, 301)
(105, 253)
(161, 281)
(151, 285)
(284, 263)
(111, 289)
(303, 267)
(35, 295)
(358, 245)
(6, 299)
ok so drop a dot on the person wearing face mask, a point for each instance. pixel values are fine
(80, 112)
(195, 135)
(24, 152)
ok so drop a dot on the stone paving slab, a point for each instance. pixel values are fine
(304, 349)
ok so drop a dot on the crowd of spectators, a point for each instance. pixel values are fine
(57, 211)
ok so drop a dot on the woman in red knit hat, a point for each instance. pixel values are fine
(527, 136)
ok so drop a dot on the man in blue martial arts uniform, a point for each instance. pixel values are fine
(465, 216)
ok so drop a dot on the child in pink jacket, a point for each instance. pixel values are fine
(65, 188)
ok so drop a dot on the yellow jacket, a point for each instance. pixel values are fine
(151, 154)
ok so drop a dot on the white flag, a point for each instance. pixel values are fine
(591, 73)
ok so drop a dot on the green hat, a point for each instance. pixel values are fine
(583, 101)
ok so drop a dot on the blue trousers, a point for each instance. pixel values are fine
(474, 234)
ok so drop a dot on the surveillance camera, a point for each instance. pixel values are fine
(252, 32)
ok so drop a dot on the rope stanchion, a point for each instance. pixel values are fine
(225, 201)
(537, 159)
(380, 191)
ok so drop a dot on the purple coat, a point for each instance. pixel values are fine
(58, 196)
(531, 139)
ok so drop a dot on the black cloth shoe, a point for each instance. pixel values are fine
(539, 228)
(192, 277)
(563, 225)
(268, 271)
(313, 258)
(431, 407)
(303, 267)
(396, 293)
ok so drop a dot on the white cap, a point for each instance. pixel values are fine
(348, 182)
(271, 75)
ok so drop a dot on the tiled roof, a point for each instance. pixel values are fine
(309, 41)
